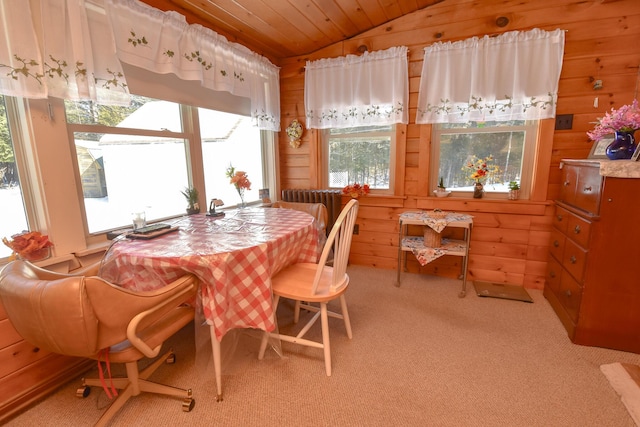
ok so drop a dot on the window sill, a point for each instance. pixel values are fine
(379, 200)
(485, 205)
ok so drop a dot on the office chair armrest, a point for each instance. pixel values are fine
(183, 293)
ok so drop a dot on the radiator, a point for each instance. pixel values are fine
(332, 199)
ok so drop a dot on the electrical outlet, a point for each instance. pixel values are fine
(564, 121)
(356, 229)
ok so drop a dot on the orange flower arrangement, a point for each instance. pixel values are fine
(30, 246)
(356, 190)
(240, 180)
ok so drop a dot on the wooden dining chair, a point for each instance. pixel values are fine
(313, 286)
(318, 211)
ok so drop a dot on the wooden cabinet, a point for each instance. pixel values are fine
(27, 373)
(592, 281)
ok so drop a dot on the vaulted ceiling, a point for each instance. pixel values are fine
(284, 28)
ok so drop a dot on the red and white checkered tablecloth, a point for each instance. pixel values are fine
(234, 257)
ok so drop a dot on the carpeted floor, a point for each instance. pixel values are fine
(419, 356)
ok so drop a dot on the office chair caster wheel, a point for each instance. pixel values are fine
(83, 391)
(171, 359)
(188, 404)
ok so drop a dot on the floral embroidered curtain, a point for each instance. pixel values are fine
(59, 48)
(513, 76)
(372, 89)
(163, 42)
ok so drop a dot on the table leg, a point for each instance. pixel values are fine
(215, 347)
(465, 262)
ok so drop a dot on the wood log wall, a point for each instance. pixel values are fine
(510, 238)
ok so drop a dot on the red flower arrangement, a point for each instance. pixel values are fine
(481, 168)
(356, 190)
(31, 246)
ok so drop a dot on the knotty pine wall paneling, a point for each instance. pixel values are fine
(510, 238)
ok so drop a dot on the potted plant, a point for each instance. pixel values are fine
(191, 194)
(514, 190)
(441, 190)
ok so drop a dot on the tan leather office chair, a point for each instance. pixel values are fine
(86, 316)
(308, 284)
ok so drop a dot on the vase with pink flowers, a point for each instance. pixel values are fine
(622, 123)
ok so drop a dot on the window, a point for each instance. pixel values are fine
(230, 139)
(14, 210)
(365, 155)
(140, 158)
(509, 145)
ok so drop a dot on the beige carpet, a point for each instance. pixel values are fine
(419, 356)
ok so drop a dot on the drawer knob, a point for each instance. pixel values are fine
(556, 243)
(552, 274)
(559, 217)
(568, 293)
(573, 259)
(566, 183)
(577, 229)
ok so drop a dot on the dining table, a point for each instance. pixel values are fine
(233, 256)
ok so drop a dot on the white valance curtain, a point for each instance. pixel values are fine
(163, 42)
(59, 48)
(372, 89)
(513, 76)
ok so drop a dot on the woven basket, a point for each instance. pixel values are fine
(432, 238)
(437, 214)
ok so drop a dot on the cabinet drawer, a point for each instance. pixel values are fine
(574, 259)
(588, 190)
(578, 230)
(569, 182)
(570, 296)
(560, 219)
(581, 185)
(556, 248)
(554, 273)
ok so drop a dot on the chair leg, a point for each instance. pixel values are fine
(135, 383)
(345, 315)
(296, 312)
(122, 398)
(324, 319)
(267, 334)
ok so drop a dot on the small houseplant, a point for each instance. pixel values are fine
(191, 195)
(514, 190)
(441, 190)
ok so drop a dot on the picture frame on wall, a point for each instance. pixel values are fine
(598, 150)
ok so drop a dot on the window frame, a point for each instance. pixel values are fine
(194, 155)
(16, 115)
(324, 135)
(532, 130)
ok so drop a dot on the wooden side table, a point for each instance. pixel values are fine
(451, 247)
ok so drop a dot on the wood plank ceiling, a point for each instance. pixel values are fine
(285, 28)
